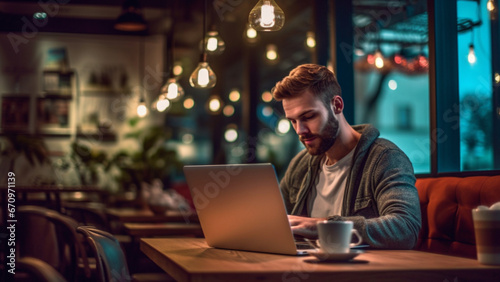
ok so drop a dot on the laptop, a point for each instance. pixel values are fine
(240, 207)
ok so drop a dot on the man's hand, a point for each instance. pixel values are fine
(304, 226)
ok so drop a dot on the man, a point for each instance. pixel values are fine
(345, 172)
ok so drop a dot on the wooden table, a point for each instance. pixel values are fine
(52, 195)
(139, 230)
(190, 259)
(147, 216)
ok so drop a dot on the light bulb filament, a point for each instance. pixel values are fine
(490, 6)
(379, 60)
(251, 32)
(142, 110)
(203, 77)
(173, 90)
(472, 55)
(212, 44)
(267, 15)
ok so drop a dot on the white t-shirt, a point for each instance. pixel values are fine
(329, 193)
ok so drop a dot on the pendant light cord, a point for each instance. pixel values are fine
(204, 26)
(141, 67)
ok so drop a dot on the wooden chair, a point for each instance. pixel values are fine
(66, 251)
(33, 269)
(110, 259)
(88, 214)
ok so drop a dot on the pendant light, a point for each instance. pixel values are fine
(214, 45)
(131, 17)
(171, 90)
(142, 109)
(203, 76)
(266, 16)
(471, 57)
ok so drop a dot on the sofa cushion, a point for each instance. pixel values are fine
(446, 204)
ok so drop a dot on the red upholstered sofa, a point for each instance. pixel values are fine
(446, 204)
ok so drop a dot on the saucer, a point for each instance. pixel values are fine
(336, 256)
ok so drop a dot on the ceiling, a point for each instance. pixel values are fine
(185, 19)
(99, 16)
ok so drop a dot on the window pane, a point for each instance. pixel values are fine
(392, 91)
(475, 86)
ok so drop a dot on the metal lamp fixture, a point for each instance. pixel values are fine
(131, 18)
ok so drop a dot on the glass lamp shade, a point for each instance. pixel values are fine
(172, 90)
(266, 16)
(203, 76)
(214, 44)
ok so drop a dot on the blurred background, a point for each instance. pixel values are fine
(86, 98)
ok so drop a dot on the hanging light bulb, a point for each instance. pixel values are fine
(310, 41)
(142, 110)
(266, 16)
(271, 53)
(203, 76)
(283, 126)
(251, 34)
(228, 110)
(234, 95)
(188, 103)
(490, 5)
(163, 103)
(214, 104)
(379, 59)
(214, 44)
(471, 57)
(370, 59)
(177, 70)
(399, 59)
(172, 90)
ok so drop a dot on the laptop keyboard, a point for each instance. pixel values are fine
(302, 246)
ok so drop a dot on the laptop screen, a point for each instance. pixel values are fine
(241, 207)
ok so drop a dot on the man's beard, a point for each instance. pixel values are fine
(327, 136)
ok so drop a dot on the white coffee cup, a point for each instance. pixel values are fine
(335, 236)
(487, 231)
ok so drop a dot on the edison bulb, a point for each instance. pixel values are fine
(471, 57)
(203, 76)
(172, 90)
(142, 110)
(379, 60)
(310, 41)
(266, 16)
(162, 104)
(214, 43)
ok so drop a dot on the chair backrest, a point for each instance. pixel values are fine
(37, 270)
(110, 259)
(446, 204)
(37, 236)
(88, 214)
(68, 249)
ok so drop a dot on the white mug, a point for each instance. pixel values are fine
(335, 236)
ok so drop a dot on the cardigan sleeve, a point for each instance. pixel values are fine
(390, 217)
